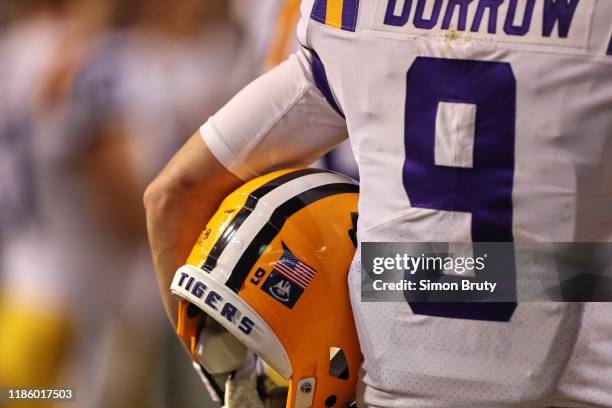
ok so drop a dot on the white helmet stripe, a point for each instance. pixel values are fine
(261, 214)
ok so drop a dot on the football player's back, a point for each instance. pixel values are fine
(475, 121)
(511, 94)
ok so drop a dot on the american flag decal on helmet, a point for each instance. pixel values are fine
(294, 269)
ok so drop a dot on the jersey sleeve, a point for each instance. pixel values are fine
(279, 120)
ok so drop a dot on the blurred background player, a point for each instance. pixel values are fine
(97, 95)
(36, 329)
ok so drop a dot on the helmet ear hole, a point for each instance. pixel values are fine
(330, 401)
(338, 364)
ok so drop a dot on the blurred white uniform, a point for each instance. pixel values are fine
(36, 328)
(470, 121)
(159, 89)
(21, 74)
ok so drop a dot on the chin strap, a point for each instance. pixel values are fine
(216, 393)
(227, 368)
(241, 387)
(233, 389)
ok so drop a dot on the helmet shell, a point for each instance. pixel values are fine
(271, 266)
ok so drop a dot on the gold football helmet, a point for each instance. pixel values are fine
(271, 267)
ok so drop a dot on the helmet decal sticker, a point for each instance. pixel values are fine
(288, 279)
(294, 269)
(281, 288)
(206, 234)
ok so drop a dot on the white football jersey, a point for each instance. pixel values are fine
(483, 120)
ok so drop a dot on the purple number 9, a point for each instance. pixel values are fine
(482, 187)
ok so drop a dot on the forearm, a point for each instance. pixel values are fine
(178, 204)
(279, 120)
(171, 236)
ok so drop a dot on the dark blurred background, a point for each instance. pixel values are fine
(95, 97)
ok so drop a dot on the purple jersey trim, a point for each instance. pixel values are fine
(350, 10)
(319, 11)
(320, 78)
(349, 14)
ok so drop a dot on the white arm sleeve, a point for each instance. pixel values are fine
(279, 120)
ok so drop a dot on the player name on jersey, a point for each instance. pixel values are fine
(547, 22)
